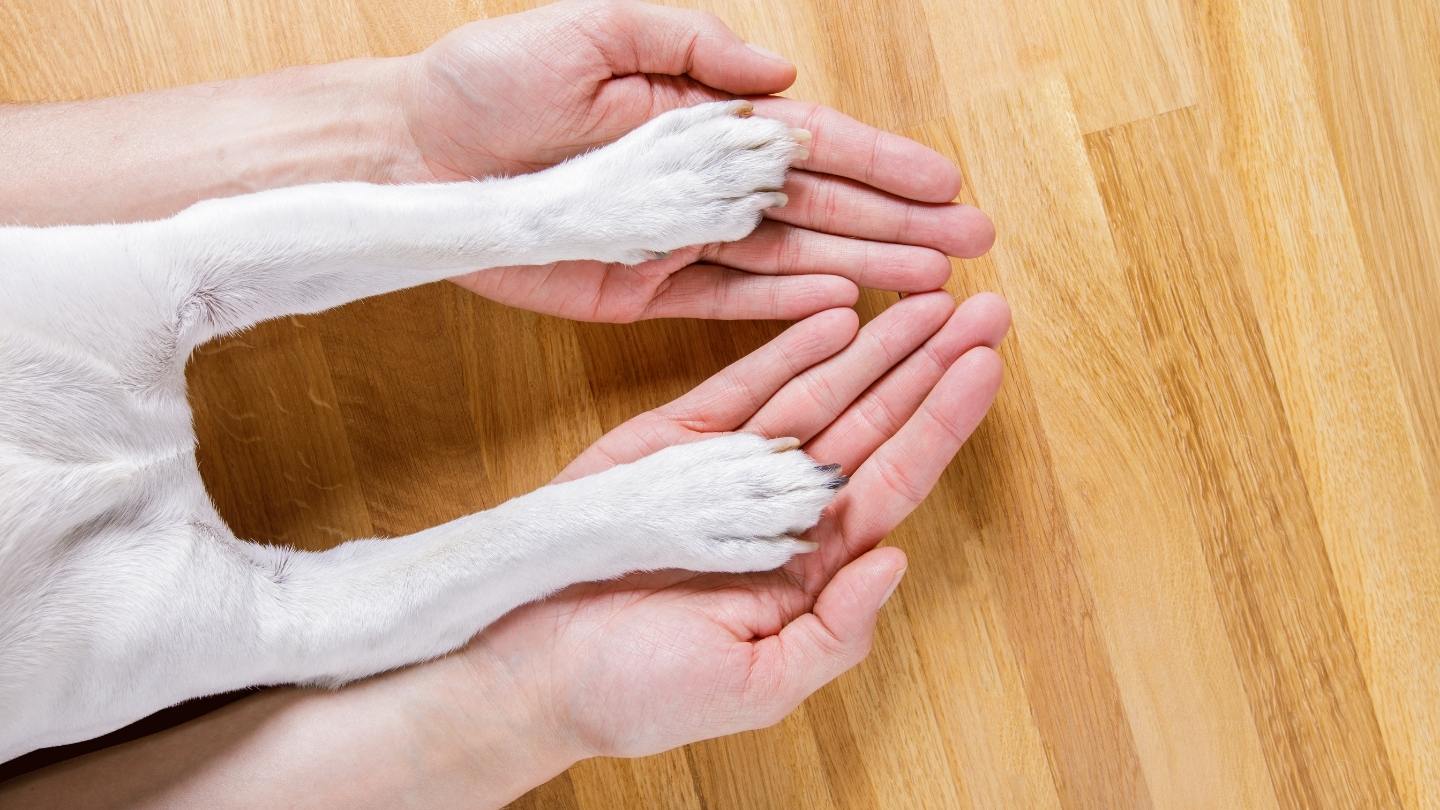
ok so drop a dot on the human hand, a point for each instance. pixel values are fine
(626, 667)
(656, 660)
(522, 92)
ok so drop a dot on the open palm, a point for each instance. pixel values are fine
(659, 659)
(519, 93)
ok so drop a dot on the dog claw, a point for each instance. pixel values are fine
(837, 481)
(802, 138)
(808, 545)
(784, 444)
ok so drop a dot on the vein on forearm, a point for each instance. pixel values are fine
(148, 155)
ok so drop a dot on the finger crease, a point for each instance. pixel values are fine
(944, 425)
(875, 405)
(896, 479)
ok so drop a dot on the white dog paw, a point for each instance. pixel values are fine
(692, 176)
(734, 503)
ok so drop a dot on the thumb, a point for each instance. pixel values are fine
(642, 38)
(836, 634)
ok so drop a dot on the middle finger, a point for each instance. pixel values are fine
(785, 250)
(815, 397)
(982, 320)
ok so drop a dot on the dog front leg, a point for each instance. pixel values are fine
(695, 175)
(195, 611)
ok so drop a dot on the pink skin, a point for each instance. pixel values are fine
(654, 660)
(629, 667)
(522, 92)
(657, 660)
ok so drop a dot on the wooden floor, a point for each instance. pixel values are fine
(1193, 557)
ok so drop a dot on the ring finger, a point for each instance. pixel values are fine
(776, 248)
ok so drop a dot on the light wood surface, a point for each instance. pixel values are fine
(1193, 557)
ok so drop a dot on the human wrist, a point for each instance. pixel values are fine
(449, 733)
(497, 723)
(460, 731)
(148, 155)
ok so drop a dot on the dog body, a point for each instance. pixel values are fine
(121, 589)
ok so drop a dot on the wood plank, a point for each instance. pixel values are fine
(782, 768)
(1378, 84)
(557, 794)
(1262, 544)
(1190, 559)
(964, 545)
(881, 66)
(1107, 440)
(664, 780)
(392, 365)
(277, 455)
(1046, 590)
(1123, 59)
(877, 727)
(1337, 379)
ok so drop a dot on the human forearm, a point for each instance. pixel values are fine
(453, 733)
(148, 155)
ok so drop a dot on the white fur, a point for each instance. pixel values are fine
(121, 589)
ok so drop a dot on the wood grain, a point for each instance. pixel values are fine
(1192, 559)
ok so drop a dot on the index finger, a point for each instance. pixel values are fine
(724, 401)
(896, 478)
(733, 395)
(848, 148)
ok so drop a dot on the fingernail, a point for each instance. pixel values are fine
(899, 575)
(768, 54)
